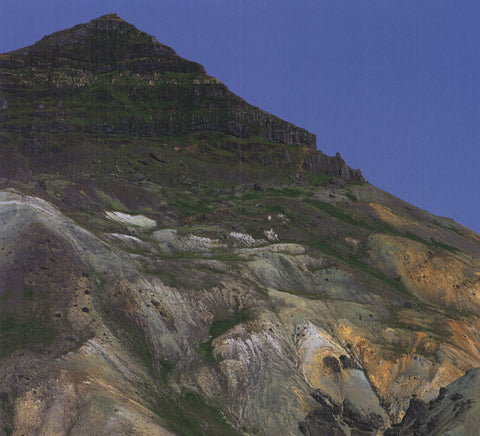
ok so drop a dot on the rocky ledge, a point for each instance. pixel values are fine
(109, 62)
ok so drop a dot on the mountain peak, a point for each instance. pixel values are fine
(145, 88)
(112, 17)
(104, 44)
(110, 22)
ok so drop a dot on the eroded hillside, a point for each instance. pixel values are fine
(263, 312)
(213, 282)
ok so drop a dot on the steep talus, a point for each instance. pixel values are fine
(175, 261)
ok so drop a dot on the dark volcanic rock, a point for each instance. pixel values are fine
(322, 420)
(334, 166)
(119, 80)
(332, 363)
(325, 419)
(102, 45)
(455, 409)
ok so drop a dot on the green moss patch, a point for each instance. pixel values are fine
(219, 327)
(17, 334)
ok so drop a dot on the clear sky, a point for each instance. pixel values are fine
(393, 85)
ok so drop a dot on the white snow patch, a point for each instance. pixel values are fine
(127, 238)
(135, 220)
(271, 235)
(193, 242)
(243, 237)
(170, 241)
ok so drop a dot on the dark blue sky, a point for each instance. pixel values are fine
(392, 85)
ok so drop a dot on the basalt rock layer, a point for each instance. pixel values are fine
(106, 76)
(207, 281)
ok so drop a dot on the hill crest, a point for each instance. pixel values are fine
(139, 86)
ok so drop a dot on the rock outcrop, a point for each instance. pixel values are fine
(128, 334)
(454, 411)
(334, 166)
(100, 62)
(103, 45)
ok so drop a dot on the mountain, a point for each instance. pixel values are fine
(174, 260)
(108, 77)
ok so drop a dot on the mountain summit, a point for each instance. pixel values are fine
(103, 45)
(113, 78)
(176, 261)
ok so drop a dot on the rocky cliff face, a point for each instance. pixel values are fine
(95, 65)
(334, 166)
(203, 283)
(103, 45)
